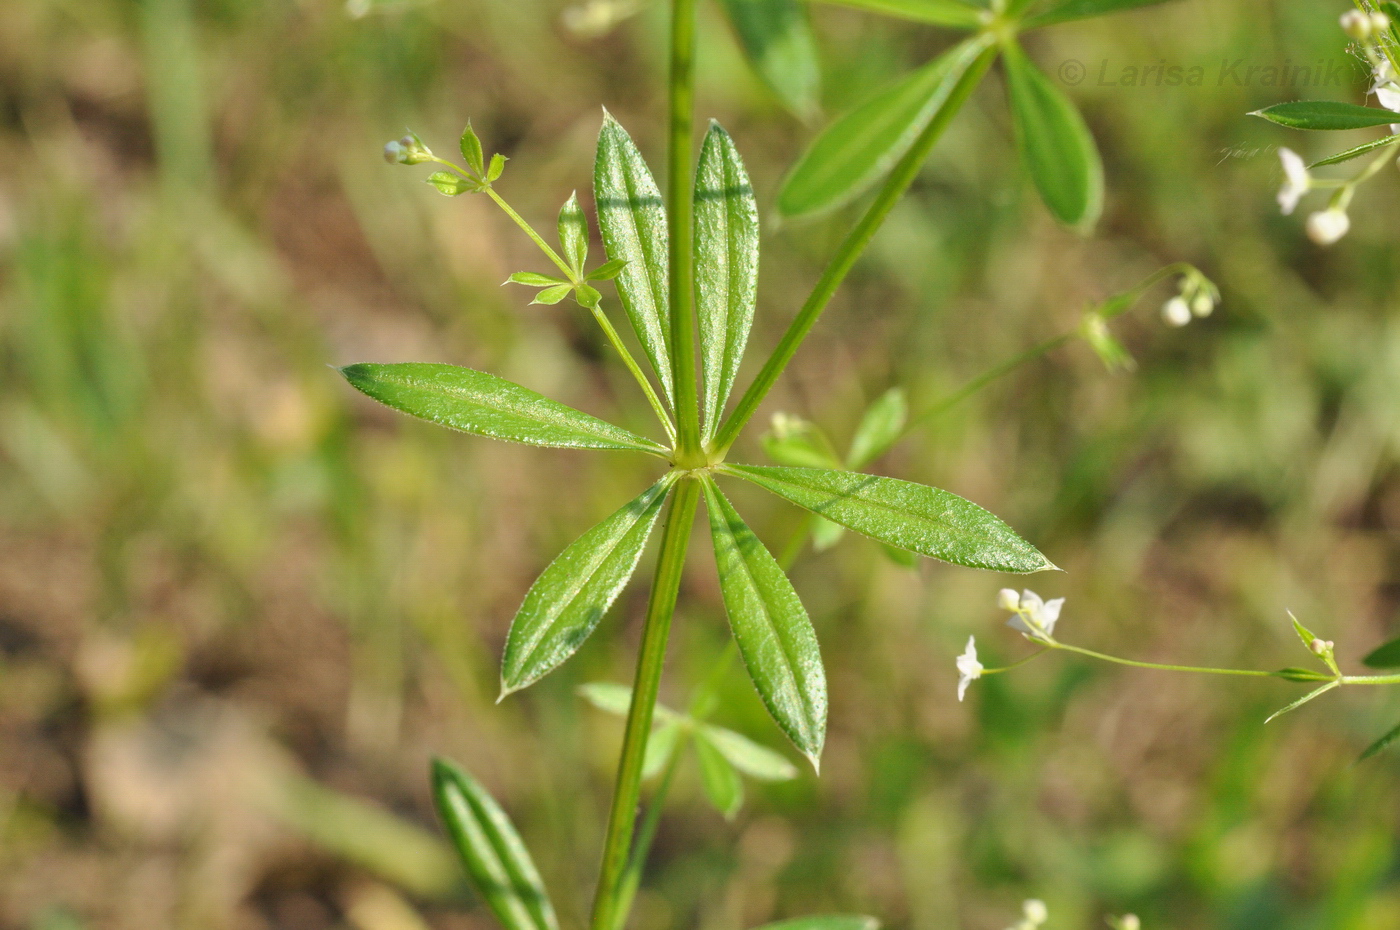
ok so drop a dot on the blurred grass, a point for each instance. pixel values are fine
(218, 564)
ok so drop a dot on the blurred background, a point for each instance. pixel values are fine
(241, 606)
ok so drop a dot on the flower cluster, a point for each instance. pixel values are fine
(1197, 299)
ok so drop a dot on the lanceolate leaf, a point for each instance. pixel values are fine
(826, 922)
(722, 784)
(569, 598)
(853, 152)
(1055, 145)
(480, 403)
(910, 516)
(1325, 115)
(726, 268)
(1083, 9)
(777, 40)
(1356, 152)
(573, 233)
(1386, 656)
(495, 858)
(941, 12)
(879, 429)
(1382, 744)
(771, 626)
(755, 761)
(633, 222)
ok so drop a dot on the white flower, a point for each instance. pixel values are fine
(1296, 180)
(1176, 312)
(1386, 89)
(1203, 304)
(1357, 25)
(1127, 922)
(1036, 618)
(1008, 599)
(1035, 912)
(1327, 226)
(969, 669)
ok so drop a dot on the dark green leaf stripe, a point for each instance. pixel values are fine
(495, 858)
(856, 150)
(940, 12)
(1055, 144)
(1326, 115)
(632, 219)
(778, 43)
(726, 268)
(910, 516)
(485, 405)
(771, 627)
(1385, 656)
(566, 602)
(1084, 9)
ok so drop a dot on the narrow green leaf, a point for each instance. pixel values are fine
(771, 627)
(722, 784)
(757, 762)
(826, 922)
(607, 271)
(1294, 673)
(566, 602)
(1083, 9)
(726, 268)
(616, 699)
(633, 222)
(1385, 656)
(1055, 144)
(825, 534)
(485, 405)
(498, 165)
(1381, 745)
(800, 443)
(495, 858)
(533, 279)
(939, 12)
(910, 516)
(776, 38)
(1303, 700)
(573, 233)
(471, 149)
(552, 295)
(879, 429)
(1305, 635)
(1326, 115)
(450, 184)
(661, 743)
(860, 147)
(1357, 152)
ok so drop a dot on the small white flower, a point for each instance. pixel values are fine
(1386, 89)
(1008, 599)
(1327, 226)
(1176, 312)
(1357, 25)
(1380, 22)
(1128, 922)
(1036, 618)
(1203, 304)
(1035, 912)
(969, 669)
(1296, 181)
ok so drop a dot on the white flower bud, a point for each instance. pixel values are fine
(1035, 912)
(1357, 24)
(1327, 226)
(1380, 22)
(1203, 305)
(1176, 312)
(393, 153)
(1008, 599)
(1129, 922)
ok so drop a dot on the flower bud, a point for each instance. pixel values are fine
(1380, 22)
(1035, 912)
(1008, 599)
(1129, 922)
(1357, 24)
(1321, 647)
(1203, 305)
(1176, 312)
(1327, 226)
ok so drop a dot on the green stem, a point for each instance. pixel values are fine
(646, 834)
(536, 237)
(894, 188)
(670, 563)
(1246, 672)
(1370, 679)
(679, 207)
(611, 332)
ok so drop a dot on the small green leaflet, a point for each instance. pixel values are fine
(939, 12)
(726, 268)
(771, 627)
(777, 40)
(1303, 700)
(879, 429)
(856, 150)
(826, 922)
(1055, 144)
(450, 184)
(566, 602)
(911, 516)
(721, 783)
(632, 219)
(1326, 115)
(573, 234)
(495, 858)
(1385, 656)
(1084, 9)
(1381, 745)
(471, 150)
(485, 405)
(1357, 152)
(757, 762)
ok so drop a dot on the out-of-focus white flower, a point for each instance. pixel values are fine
(1203, 304)
(1035, 912)
(969, 669)
(1127, 922)
(1380, 22)
(1036, 618)
(1176, 312)
(1327, 226)
(1296, 180)
(1357, 24)
(1387, 89)
(1008, 599)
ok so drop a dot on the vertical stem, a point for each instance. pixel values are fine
(646, 835)
(679, 208)
(665, 588)
(859, 237)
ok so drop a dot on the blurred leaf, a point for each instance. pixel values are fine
(617, 699)
(450, 184)
(901, 557)
(607, 271)
(573, 233)
(826, 922)
(879, 429)
(485, 405)
(566, 602)
(1385, 656)
(1303, 700)
(498, 165)
(755, 761)
(1357, 152)
(825, 534)
(1381, 745)
(777, 41)
(552, 295)
(721, 782)
(726, 268)
(533, 279)
(940, 12)
(1111, 352)
(1054, 143)
(856, 150)
(1325, 115)
(495, 858)
(798, 442)
(660, 745)
(1083, 9)
(911, 516)
(770, 625)
(471, 149)
(1293, 673)
(633, 222)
